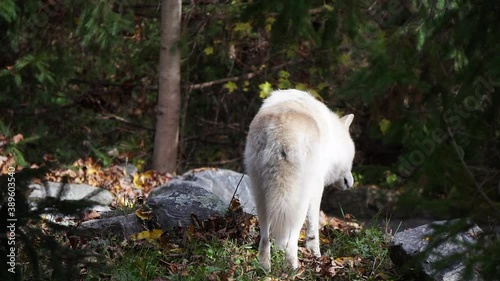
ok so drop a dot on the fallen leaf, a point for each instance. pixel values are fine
(144, 213)
(148, 235)
(91, 215)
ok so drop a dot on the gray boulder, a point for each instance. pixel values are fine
(200, 193)
(407, 246)
(173, 204)
(362, 202)
(220, 182)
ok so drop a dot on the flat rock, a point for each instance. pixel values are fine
(118, 226)
(70, 192)
(407, 246)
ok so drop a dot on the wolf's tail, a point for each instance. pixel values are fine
(286, 215)
(284, 199)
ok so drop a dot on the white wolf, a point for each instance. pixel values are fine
(295, 146)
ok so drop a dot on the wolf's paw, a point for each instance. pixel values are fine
(292, 260)
(313, 247)
(265, 262)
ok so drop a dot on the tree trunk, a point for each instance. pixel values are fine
(167, 110)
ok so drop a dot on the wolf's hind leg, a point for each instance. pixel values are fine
(264, 244)
(312, 238)
(291, 248)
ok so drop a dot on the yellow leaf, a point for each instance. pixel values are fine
(143, 213)
(345, 59)
(137, 182)
(148, 174)
(246, 84)
(324, 240)
(208, 51)
(302, 235)
(322, 85)
(91, 171)
(384, 125)
(344, 260)
(269, 23)
(383, 276)
(243, 27)
(140, 179)
(329, 8)
(149, 235)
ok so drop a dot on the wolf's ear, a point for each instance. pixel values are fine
(347, 120)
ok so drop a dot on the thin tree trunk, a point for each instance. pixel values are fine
(167, 110)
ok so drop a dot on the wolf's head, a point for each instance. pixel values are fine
(345, 179)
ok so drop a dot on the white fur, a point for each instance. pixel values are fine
(295, 146)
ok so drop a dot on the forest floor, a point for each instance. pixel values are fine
(222, 248)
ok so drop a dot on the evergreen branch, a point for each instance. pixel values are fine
(469, 173)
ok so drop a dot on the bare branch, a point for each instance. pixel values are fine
(123, 120)
(189, 87)
(238, 78)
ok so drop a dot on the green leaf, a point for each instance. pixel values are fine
(24, 61)
(301, 86)
(8, 10)
(18, 155)
(284, 83)
(391, 179)
(244, 27)
(231, 86)
(265, 90)
(284, 74)
(384, 125)
(18, 80)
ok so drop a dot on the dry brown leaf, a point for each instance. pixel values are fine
(17, 138)
(91, 215)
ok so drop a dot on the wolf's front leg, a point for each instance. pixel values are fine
(312, 238)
